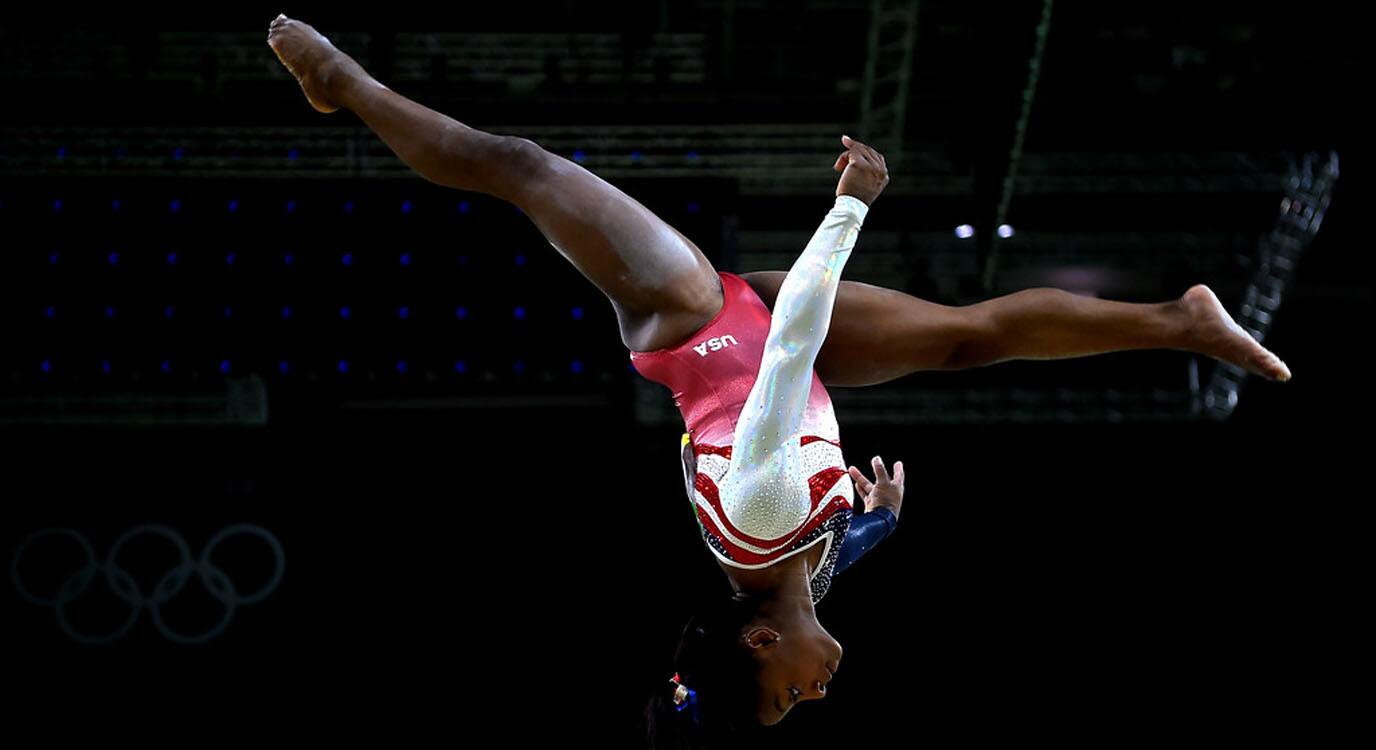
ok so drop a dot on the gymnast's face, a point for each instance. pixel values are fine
(792, 667)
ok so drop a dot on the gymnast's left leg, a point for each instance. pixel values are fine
(661, 285)
(880, 334)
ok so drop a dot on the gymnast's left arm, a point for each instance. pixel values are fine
(865, 533)
(883, 505)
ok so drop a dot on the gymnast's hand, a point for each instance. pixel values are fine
(883, 492)
(864, 174)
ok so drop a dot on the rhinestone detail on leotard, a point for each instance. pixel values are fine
(829, 487)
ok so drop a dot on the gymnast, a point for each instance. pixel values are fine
(748, 358)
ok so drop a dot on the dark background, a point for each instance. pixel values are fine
(504, 551)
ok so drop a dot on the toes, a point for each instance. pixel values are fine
(1273, 367)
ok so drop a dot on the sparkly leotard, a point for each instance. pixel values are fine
(770, 481)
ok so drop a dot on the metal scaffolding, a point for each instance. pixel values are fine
(1301, 213)
(1034, 69)
(888, 68)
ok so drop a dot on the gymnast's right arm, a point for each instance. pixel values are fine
(773, 411)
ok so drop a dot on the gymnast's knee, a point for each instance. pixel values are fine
(516, 165)
(973, 340)
(525, 156)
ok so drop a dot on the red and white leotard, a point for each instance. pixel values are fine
(770, 480)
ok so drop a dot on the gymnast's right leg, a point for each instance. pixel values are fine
(660, 284)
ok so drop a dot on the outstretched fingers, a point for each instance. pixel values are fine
(862, 485)
(881, 474)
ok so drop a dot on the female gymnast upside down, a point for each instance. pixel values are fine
(748, 358)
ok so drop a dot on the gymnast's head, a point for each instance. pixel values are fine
(741, 664)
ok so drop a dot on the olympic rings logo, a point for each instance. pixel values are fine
(122, 583)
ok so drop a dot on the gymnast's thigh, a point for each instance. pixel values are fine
(879, 334)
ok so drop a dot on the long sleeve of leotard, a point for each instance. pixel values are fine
(866, 531)
(773, 412)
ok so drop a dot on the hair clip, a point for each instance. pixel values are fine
(683, 695)
(686, 698)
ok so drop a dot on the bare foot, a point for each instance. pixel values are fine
(1215, 333)
(315, 62)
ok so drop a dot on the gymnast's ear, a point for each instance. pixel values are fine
(760, 636)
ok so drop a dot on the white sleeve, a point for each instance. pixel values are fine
(773, 412)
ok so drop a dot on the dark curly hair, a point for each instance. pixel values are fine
(711, 660)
